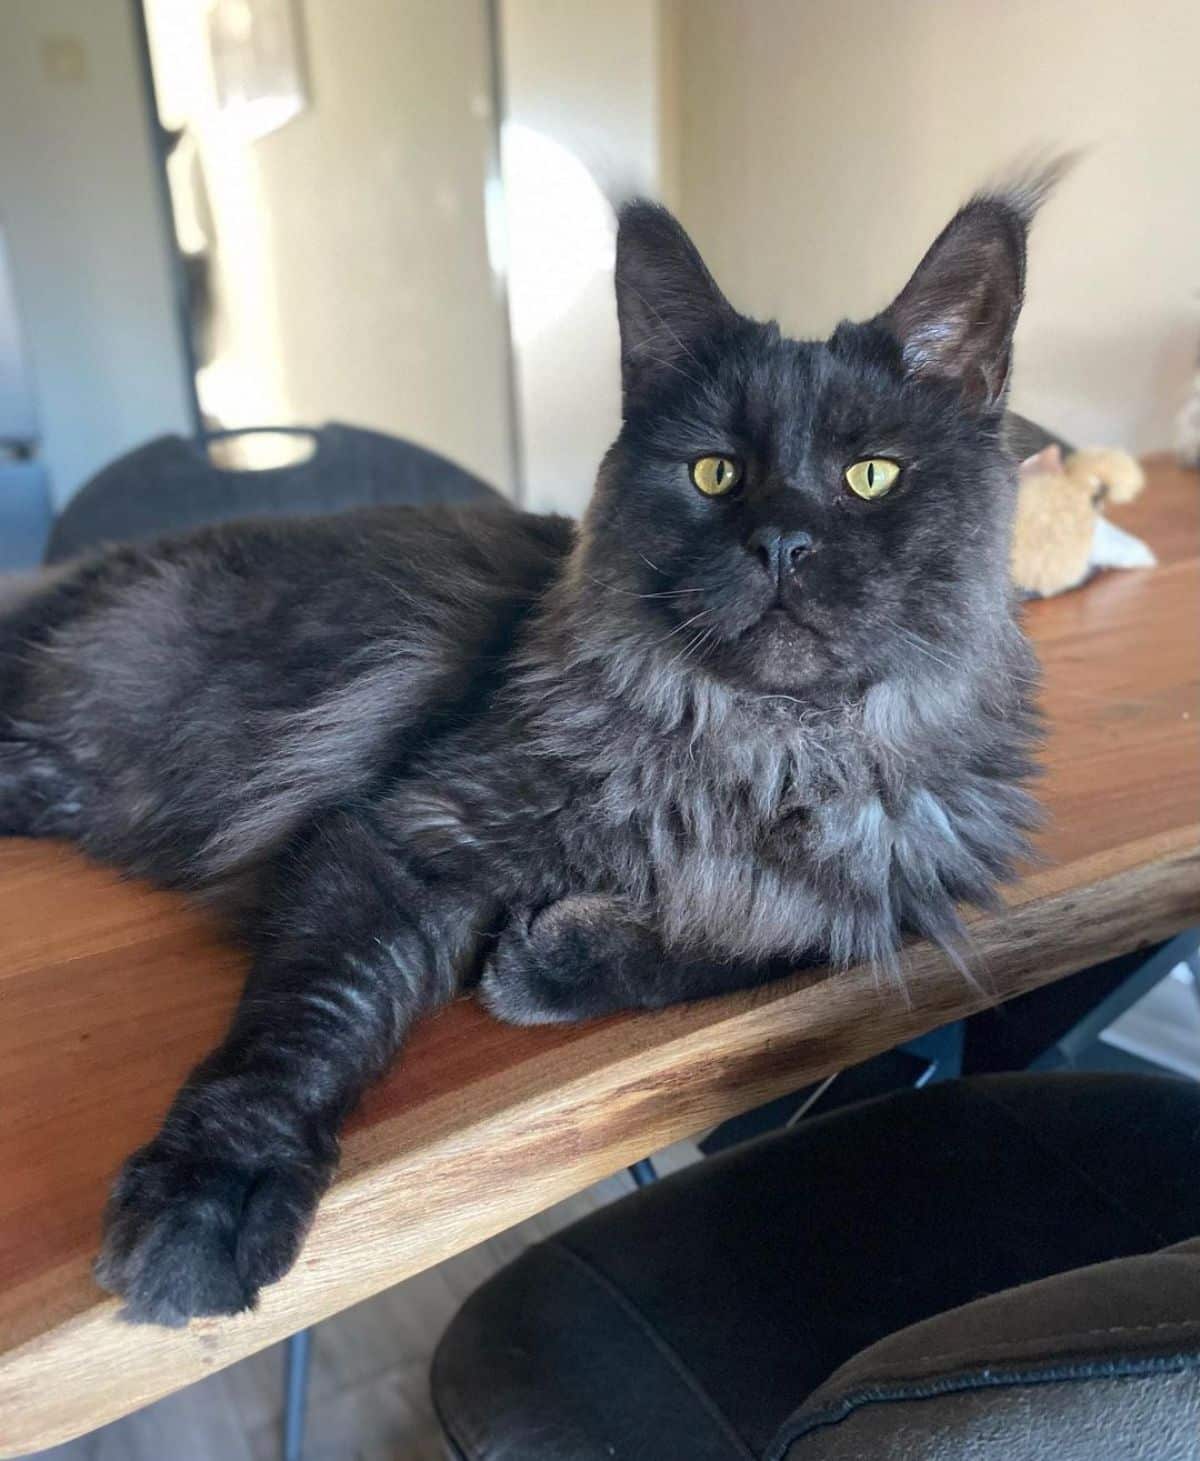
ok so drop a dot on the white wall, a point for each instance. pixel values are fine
(18, 410)
(88, 255)
(824, 144)
(375, 210)
(351, 254)
(581, 131)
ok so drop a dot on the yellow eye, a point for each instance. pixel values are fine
(874, 477)
(716, 475)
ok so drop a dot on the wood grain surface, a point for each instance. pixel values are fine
(109, 992)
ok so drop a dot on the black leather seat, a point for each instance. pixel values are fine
(826, 1292)
(170, 484)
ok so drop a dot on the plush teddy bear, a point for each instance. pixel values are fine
(1061, 535)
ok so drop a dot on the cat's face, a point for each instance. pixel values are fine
(809, 516)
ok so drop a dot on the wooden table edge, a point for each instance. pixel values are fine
(676, 1072)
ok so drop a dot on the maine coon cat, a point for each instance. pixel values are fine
(767, 704)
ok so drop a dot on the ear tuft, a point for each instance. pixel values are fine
(667, 301)
(1025, 188)
(956, 316)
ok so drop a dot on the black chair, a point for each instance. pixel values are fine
(171, 484)
(995, 1269)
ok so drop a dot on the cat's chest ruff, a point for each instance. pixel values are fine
(813, 871)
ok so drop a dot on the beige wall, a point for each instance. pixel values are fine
(823, 144)
(581, 133)
(88, 252)
(351, 247)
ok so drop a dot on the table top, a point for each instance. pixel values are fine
(110, 992)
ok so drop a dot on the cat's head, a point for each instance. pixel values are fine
(811, 515)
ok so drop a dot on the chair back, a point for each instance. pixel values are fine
(170, 484)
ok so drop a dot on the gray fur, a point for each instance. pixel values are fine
(641, 762)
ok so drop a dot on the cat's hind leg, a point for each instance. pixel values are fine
(39, 795)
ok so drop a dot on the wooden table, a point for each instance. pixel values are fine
(109, 992)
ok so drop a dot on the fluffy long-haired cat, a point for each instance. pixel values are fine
(768, 704)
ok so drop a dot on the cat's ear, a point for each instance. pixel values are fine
(667, 301)
(955, 317)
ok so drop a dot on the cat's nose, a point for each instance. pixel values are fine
(780, 553)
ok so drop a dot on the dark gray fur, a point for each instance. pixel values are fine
(644, 762)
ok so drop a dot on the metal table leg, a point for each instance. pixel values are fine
(295, 1393)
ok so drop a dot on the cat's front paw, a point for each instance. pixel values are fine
(187, 1235)
(554, 966)
(523, 983)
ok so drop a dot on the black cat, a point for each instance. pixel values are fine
(767, 704)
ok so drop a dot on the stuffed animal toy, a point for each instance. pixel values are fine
(1061, 536)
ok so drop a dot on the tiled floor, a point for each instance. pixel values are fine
(1164, 1025)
